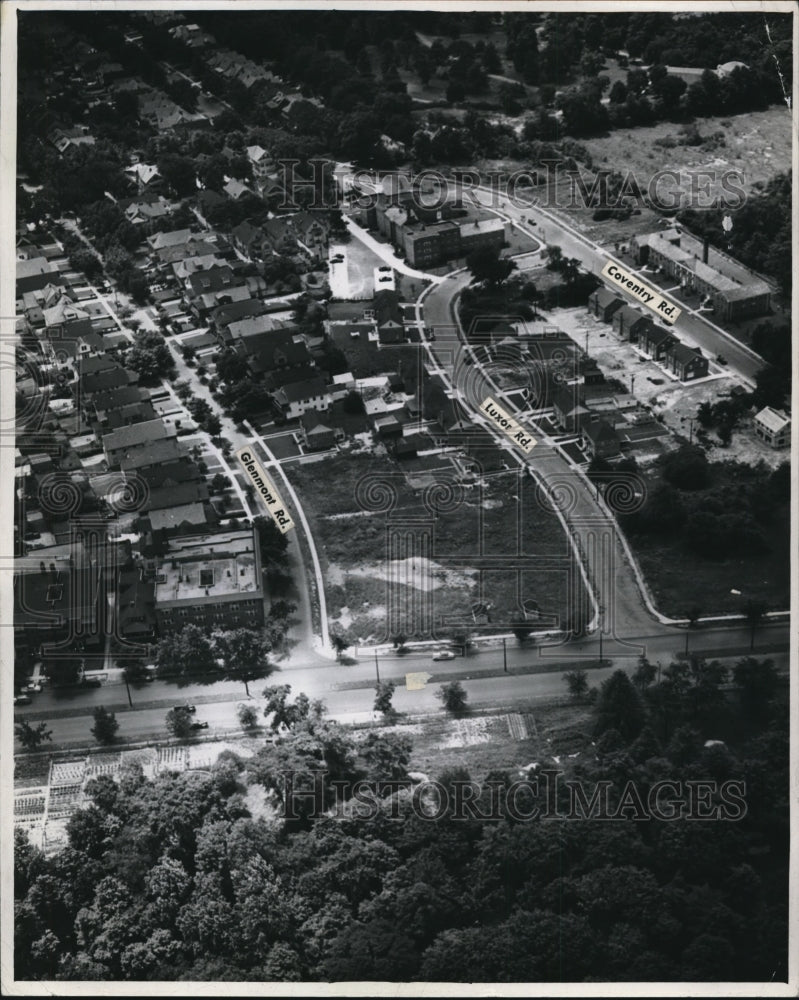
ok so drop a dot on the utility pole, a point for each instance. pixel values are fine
(601, 627)
(690, 431)
(377, 668)
(504, 656)
(127, 686)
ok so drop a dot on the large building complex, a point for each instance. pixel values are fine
(210, 580)
(735, 291)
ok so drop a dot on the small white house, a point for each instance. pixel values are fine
(773, 427)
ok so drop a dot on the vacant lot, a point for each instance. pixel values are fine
(465, 561)
(758, 144)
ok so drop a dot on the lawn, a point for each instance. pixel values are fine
(464, 563)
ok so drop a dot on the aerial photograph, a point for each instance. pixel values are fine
(398, 499)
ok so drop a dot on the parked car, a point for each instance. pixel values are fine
(444, 654)
(190, 708)
(34, 686)
(22, 699)
(199, 725)
(721, 359)
(91, 682)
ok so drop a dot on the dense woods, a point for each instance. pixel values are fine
(197, 876)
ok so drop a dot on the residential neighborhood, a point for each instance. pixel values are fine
(354, 498)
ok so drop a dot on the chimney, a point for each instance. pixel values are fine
(705, 247)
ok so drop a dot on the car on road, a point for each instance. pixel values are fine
(22, 699)
(34, 686)
(199, 725)
(91, 682)
(721, 359)
(190, 708)
(444, 654)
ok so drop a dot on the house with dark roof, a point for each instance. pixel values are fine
(314, 434)
(231, 312)
(599, 439)
(251, 241)
(117, 443)
(629, 323)
(151, 454)
(569, 407)
(135, 604)
(273, 352)
(687, 363)
(656, 342)
(603, 303)
(171, 474)
(105, 381)
(212, 279)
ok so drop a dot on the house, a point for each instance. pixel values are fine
(149, 208)
(135, 604)
(656, 342)
(142, 174)
(569, 407)
(212, 279)
(117, 443)
(151, 454)
(298, 397)
(628, 323)
(34, 273)
(599, 439)
(235, 189)
(773, 427)
(315, 435)
(222, 316)
(603, 303)
(183, 269)
(687, 363)
(210, 580)
(250, 240)
(161, 241)
(253, 326)
(104, 381)
(65, 139)
(275, 352)
(262, 163)
(182, 518)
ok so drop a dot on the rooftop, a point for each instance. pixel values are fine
(203, 568)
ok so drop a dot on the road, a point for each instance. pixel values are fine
(697, 328)
(348, 690)
(612, 578)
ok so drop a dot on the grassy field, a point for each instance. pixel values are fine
(506, 521)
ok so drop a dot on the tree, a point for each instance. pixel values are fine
(30, 736)
(248, 716)
(453, 696)
(105, 725)
(619, 707)
(219, 483)
(488, 268)
(353, 403)
(577, 683)
(289, 714)
(756, 681)
(244, 654)
(644, 673)
(522, 630)
(339, 643)
(179, 722)
(618, 93)
(186, 655)
(150, 358)
(384, 692)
